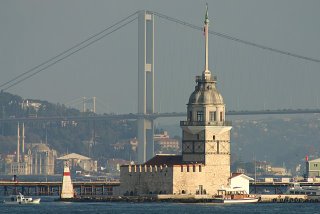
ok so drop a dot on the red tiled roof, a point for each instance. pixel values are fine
(168, 160)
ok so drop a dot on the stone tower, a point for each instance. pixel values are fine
(206, 133)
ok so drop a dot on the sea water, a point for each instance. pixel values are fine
(48, 206)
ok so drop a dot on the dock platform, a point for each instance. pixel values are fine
(54, 187)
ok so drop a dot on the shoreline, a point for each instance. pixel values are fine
(150, 199)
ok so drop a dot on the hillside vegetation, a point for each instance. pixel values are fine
(90, 138)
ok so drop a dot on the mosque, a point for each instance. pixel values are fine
(204, 165)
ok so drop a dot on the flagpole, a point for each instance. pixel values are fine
(206, 73)
(206, 27)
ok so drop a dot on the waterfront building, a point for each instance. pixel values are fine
(16, 168)
(125, 149)
(78, 163)
(278, 170)
(204, 165)
(313, 168)
(164, 144)
(41, 159)
(240, 180)
(30, 159)
(38, 160)
(113, 165)
(30, 104)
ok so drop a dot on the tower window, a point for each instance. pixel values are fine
(199, 115)
(200, 170)
(218, 147)
(187, 168)
(212, 116)
(190, 115)
(194, 168)
(221, 118)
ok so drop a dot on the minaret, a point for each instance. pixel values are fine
(23, 138)
(206, 133)
(18, 143)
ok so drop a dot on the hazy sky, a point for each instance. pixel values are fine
(33, 31)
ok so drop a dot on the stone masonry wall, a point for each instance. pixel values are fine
(143, 179)
(211, 178)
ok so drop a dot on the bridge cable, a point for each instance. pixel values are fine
(157, 14)
(53, 63)
(225, 36)
(66, 51)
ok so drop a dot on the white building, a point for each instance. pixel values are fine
(239, 180)
(84, 163)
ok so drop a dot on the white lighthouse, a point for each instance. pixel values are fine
(67, 191)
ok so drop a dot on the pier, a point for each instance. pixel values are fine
(101, 188)
(276, 187)
(53, 188)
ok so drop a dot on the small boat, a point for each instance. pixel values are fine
(234, 195)
(20, 199)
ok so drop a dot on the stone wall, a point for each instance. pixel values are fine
(200, 179)
(143, 179)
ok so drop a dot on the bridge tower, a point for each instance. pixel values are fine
(145, 84)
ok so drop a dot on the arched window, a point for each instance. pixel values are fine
(199, 115)
(212, 116)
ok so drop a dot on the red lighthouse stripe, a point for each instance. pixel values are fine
(66, 174)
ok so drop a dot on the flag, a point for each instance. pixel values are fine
(206, 20)
(207, 17)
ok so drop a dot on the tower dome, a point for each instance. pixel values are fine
(205, 93)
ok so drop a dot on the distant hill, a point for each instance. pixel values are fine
(15, 106)
(281, 140)
(84, 137)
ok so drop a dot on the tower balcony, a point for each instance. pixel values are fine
(205, 123)
(212, 78)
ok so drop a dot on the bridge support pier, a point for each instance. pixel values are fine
(145, 84)
(145, 135)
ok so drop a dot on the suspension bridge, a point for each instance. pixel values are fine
(147, 113)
